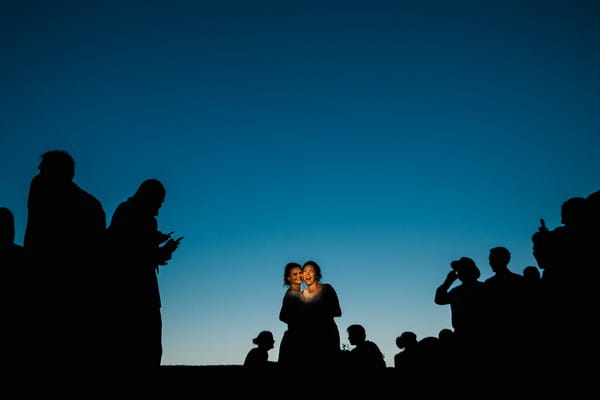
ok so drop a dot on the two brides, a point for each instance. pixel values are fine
(309, 314)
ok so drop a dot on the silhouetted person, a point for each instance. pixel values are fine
(532, 275)
(430, 365)
(365, 357)
(561, 252)
(321, 307)
(568, 256)
(465, 302)
(573, 294)
(405, 361)
(64, 240)
(446, 344)
(258, 357)
(13, 264)
(138, 249)
(291, 346)
(504, 302)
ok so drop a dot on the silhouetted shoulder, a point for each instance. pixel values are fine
(328, 288)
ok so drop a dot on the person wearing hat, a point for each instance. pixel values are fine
(466, 304)
(258, 357)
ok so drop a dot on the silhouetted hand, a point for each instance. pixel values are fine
(167, 250)
(172, 244)
(542, 227)
(162, 237)
(451, 277)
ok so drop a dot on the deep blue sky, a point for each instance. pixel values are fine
(382, 139)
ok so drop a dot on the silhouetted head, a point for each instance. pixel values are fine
(292, 272)
(316, 269)
(406, 339)
(446, 334)
(573, 212)
(466, 269)
(7, 227)
(264, 339)
(356, 334)
(499, 258)
(57, 165)
(428, 344)
(531, 273)
(150, 196)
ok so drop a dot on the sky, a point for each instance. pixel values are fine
(381, 139)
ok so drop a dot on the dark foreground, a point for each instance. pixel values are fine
(229, 380)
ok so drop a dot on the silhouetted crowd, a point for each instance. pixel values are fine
(528, 330)
(64, 311)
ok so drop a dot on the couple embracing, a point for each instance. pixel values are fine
(312, 337)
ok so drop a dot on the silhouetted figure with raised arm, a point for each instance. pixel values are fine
(13, 266)
(64, 240)
(258, 357)
(321, 307)
(291, 346)
(138, 249)
(568, 283)
(365, 358)
(465, 302)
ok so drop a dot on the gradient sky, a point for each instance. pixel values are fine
(382, 139)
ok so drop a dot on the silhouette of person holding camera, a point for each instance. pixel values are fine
(466, 301)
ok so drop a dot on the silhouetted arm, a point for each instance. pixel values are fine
(333, 301)
(285, 312)
(165, 252)
(442, 295)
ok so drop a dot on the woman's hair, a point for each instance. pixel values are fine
(316, 267)
(288, 270)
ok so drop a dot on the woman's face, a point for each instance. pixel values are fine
(309, 274)
(295, 276)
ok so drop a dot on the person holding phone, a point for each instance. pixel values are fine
(138, 249)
